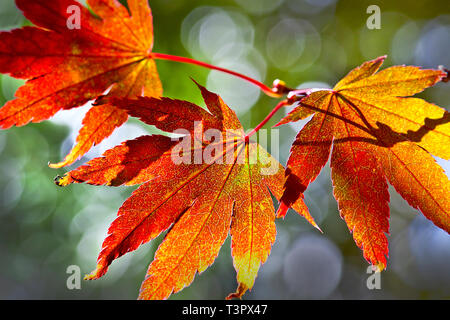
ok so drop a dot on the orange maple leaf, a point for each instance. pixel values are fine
(202, 200)
(66, 67)
(378, 135)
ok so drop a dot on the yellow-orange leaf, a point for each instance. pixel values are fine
(378, 135)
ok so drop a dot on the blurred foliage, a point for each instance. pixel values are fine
(44, 229)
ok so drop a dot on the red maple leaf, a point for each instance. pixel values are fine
(378, 135)
(202, 201)
(67, 67)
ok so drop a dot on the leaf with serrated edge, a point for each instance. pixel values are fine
(200, 202)
(67, 67)
(378, 134)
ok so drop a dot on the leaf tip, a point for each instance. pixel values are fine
(282, 210)
(61, 181)
(445, 73)
(379, 267)
(68, 160)
(281, 122)
(93, 275)
(89, 277)
(197, 84)
(301, 210)
(57, 165)
(241, 289)
(315, 225)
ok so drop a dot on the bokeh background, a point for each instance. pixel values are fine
(307, 43)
